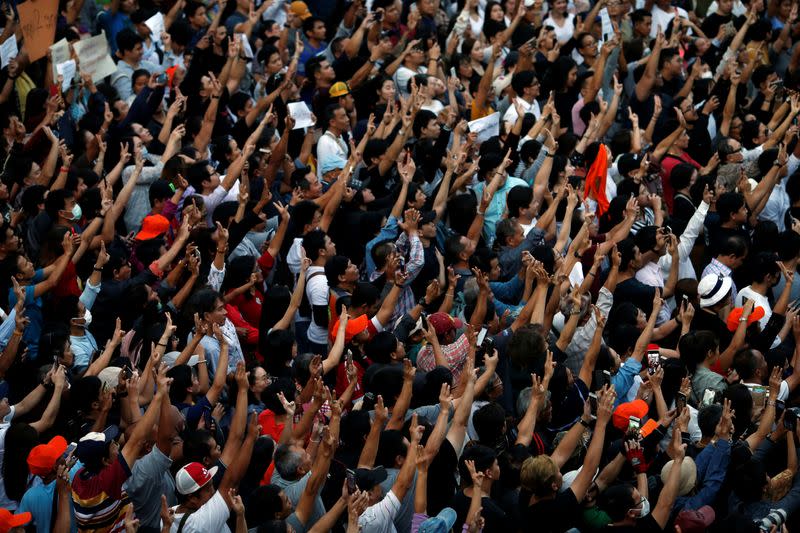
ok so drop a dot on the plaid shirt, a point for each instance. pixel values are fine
(455, 354)
(412, 250)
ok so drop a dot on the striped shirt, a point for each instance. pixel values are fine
(100, 502)
(454, 353)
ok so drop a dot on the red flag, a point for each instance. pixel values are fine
(595, 187)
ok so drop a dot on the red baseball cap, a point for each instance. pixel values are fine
(193, 477)
(9, 520)
(442, 323)
(152, 227)
(695, 521)
(637, 408)
(736, 314)
(42, 458)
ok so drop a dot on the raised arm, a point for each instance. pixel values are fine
(143, 428)
(239, 421)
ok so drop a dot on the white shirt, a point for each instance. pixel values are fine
(379, 518)
(511, 116)
(759, 300)
(563, 33)
(661, 19)
(317, 292)
(212, 516)
(330, 146)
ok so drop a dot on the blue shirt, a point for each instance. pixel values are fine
(497, 206)
(33, 310)
(113, 23)
(38, 500)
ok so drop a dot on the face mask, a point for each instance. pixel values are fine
(87, 319)
(76, 212)
(645, 510)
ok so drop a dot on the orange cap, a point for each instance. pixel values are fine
(9, 520)
(353, 328)
(42, 458)
(152, 227)
(736, 314)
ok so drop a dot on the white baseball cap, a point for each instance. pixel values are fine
(193, 477)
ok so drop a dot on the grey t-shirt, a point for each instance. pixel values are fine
(294, 490)
(150, 478)
(403, 518)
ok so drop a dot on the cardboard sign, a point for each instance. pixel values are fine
(68, 70)
(486, 127)
(8, 51)
(95, 57)
(59, 53)
(156, 25)
(37, 20)
(301, 114)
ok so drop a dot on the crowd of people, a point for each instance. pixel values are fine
(401, 266)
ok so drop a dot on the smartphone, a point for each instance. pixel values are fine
(633, 425)
(790, 419)
(53, 89)
(780, 406)
(452, 72)
(348, 357)
(162, 78)
(69, 450)
(759, 395)
(667, 230)
(593, 403)
(487, 346)
(652, 361)
(126, 373)
(378, 16)
(350, 476)
(601, 379)
(481, 336)
(680, 402)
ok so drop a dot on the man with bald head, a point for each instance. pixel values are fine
(151, 477)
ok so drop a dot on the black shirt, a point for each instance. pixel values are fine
(550, 516)
(495, 518)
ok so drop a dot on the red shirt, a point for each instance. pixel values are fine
(668, 162)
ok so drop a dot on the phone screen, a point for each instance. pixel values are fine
(351, 481)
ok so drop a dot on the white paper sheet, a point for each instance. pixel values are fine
(156, 25)
(486, 127)
(8, 50)
(67, 69)
(301, 114)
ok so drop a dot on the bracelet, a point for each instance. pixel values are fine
(548, 154)
(164, 344)
(592, 273)
(215, 97)
(771, 403)
(98, 269)
(66, 169)
(221, 251)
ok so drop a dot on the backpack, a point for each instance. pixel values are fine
(305, 306)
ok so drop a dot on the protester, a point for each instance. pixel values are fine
(400, 267)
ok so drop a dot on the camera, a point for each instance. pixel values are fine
(776, 518)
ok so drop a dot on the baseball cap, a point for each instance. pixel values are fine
(500, 83)
(637, 408)
(441, 523)
(713, 288)
(354, 327)
(736, 314)
(193, 477)
(300, 9)
(443, 323)
(152, 227)
(338, 89)
(170, 358)
(94, 444)
(42, 458)
(688, 475)
(9, 520)
(695, 521)
(627, 163)
(367, 478)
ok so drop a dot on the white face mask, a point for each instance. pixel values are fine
(645, 510)
(87, 318)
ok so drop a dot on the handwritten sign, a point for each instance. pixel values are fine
(67, 69)
(59, 52)
(156, 25)
(38, 23)
(8, 50)
(95, 57)
(301, 114)
(486, 127)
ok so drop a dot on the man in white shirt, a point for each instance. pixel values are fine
(412, 65)
(319, 248)
(206, 181)
(751, 365)
(331, 147)
(766, 274)
(526, 86)
(379, 516)
(663, 12)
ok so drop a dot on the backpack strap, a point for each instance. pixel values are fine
(182, 523)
